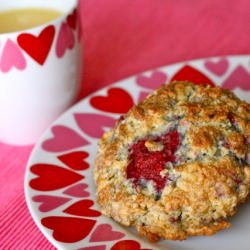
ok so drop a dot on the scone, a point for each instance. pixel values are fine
(177, 164)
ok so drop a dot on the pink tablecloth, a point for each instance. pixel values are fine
(124, 37)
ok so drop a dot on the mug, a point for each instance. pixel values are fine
(39, 71)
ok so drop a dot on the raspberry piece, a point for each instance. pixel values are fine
(147, 165)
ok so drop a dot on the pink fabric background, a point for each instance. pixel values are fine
(121, 38)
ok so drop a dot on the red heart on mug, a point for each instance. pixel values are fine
(188, 73)
(75, 160)
(82, 208)
(37, 47)
(52, 177)
(12, 57)
(71, 19)
(117, 101)
(68, 229)
(65, 40)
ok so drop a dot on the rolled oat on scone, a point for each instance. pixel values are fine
(178, 163)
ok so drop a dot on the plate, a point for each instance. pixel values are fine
(59, 187)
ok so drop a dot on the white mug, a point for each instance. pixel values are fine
(39, 71)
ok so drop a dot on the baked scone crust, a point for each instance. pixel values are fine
(207, 181)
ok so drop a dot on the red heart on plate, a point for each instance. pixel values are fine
(75, 160)
(152, 82)
(81, 208)
(104, 232)
(77, 190)
(94, 124)
(188, 73)
(64, 139)
(49, 202)
(52, 177)
(68, 229)
(37, 47)
(127, 245)
(71, 19)
(117, 101)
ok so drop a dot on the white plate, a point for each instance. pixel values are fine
(59, 186)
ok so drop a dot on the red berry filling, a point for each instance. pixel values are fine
(231, 118)
(147, 165)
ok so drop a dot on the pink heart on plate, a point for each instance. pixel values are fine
(101, 247)
(143, 95)
(12, 57)
(49, 202)
(219, 67)
(240, 77)
(77, 191)
(104, 232)
(65, 40)
(64, 139)
(152, 82)
(94, 124)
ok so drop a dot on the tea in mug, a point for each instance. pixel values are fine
(21, 19)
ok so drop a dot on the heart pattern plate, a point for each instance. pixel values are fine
(59, 186)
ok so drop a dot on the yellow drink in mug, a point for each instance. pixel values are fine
(26, 18)
(40, 60)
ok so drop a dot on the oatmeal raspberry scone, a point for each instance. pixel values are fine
(177, 164)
